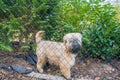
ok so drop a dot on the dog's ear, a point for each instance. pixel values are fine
(64, 43)
(65, 40)
(80, 38)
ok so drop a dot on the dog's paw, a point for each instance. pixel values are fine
(40, 70)
(68, 77)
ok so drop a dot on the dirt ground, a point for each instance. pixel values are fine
(90, 68)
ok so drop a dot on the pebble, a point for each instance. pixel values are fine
(97, 78)
(80, 76)
(30, 59)
(3, 66)
(20, 69)
(3, 72)
(113, 69)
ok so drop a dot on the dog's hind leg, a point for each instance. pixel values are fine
(40, 63)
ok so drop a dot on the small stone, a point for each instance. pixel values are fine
(84, 64)
(76, 68)
(97, 78)
(33, 56)
(5, 67)
(80, 76)
(21, 69)
(49, 70)
(109, 78)
(110, 71)
(88, 61)
(30, 60)
(113, 69)
(76, 76)
(3, 72)
(106, 71)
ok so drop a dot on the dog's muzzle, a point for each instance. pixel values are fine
(76, 48)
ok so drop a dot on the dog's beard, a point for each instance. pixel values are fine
(74, 50)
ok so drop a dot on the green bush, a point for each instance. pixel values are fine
(97, 23)
(23, 17)
(101, 37)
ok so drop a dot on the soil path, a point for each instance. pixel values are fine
(88, 69)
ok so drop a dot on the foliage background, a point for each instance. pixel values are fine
(99, 24)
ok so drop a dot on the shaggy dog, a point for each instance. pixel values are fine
(61, 54)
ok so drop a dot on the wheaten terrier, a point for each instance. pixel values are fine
(61, 54)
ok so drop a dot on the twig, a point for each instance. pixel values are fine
(49, 77)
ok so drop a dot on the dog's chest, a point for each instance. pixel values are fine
(72, 60)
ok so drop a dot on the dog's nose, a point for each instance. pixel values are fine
(75, 48)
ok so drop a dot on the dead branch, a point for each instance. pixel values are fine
(49, 77)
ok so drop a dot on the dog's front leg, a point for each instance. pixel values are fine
(65, 69)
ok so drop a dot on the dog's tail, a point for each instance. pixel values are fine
(39, 35)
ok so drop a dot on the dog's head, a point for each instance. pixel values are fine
(73, 42)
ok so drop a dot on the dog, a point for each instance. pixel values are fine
(62, 54)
